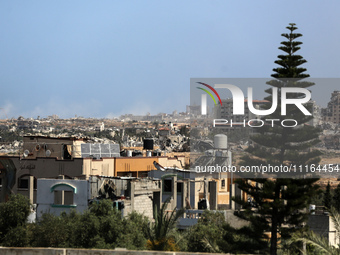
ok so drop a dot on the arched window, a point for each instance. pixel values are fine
(63, 195)
(23, 182)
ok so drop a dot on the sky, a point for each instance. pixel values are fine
(104, 58)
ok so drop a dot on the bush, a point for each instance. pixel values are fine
(13, 215)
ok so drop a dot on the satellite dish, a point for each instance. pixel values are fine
(48, 153)
(26, 152)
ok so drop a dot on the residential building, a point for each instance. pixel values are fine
(225, 111)
(128, 194)
(99, 127)
(46, 157)
(332, 112)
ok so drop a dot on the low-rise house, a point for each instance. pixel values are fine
(127, 194)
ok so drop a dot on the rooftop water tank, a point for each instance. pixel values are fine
(148, 144)
(220, 141)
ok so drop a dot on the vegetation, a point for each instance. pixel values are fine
(280, 201)
(161, 233)
(336, 198)
(13, 215)
(99, 227)
(319, 245)
(9, 136)
(102, 227)
(207, 234)
(327, 198)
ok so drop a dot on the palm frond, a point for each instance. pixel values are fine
(209, 245)
(321, 244)
(160, 231)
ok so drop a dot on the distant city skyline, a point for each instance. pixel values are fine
(108, 58)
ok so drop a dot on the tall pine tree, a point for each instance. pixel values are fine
(336, 198)
(327, 197)
(281, 202)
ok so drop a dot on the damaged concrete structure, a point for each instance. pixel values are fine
(192, 190)
(332, 112)
(127, 194)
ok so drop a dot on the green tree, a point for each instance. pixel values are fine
(133, 237)
(336, 198)
(327, 197)
(320, 244)
(13, 216)
(52, 231)
(160, 233)
(280, 201)
(207, 234)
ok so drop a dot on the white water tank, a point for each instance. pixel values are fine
(220, 141)
(129, 153)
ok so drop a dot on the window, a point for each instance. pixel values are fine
(58, 197)
(63, 195)
(68, 197)
(167, 184)
(223, 184)
(23, 182)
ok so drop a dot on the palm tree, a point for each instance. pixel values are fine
(321, 244)
(161, 233)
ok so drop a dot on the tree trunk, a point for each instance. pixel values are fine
(273, 239)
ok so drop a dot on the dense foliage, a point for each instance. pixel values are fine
(280, 202)
(103, 227)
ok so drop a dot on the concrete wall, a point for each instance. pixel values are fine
(45, 196)
(324, 226)
(133, 165)
(52, 168)
(58, 251)
(104, 166)
(143, 204)
(37, 146)
(142, 196)
(43, 168)
(196, 187)
(178, 162)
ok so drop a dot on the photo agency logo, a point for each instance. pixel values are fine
(239, 102)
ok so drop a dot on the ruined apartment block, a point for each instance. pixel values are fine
(332, 112)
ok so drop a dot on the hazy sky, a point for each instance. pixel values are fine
(107, 58)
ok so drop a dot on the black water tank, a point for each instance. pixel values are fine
(156, 153)
(148, 144)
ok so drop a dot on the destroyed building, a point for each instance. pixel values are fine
(332, 112)
(127, 194)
